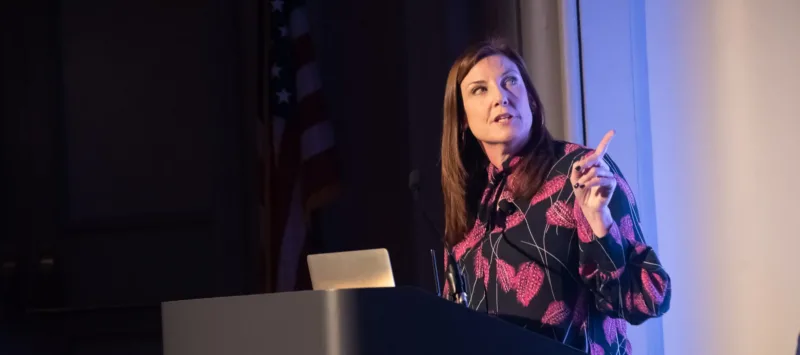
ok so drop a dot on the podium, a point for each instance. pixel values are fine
(398, 320)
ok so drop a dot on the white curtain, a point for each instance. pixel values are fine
(548, 39)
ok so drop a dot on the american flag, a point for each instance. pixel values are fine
(303, 171)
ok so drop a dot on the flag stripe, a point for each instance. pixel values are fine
(278, 127)
(299, 22)
(261, 174)
(311, 110)
(307, 81)
(292, 243)
(319, 186)
(316, 139)
(303, 52)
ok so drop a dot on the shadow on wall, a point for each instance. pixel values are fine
(798, 345)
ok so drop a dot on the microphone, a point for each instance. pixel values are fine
(506, 207)
(454, 274)
(505, 210)
(456, 279)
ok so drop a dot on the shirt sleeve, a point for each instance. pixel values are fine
(620, 269)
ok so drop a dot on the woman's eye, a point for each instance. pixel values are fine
(478, 90)
(512, 81)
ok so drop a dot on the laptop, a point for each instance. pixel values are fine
(369, 268)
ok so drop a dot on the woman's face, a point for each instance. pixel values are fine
(496, 102)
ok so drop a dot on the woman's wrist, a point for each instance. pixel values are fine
(600, 221)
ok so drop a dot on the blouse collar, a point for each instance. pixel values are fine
(508, 167)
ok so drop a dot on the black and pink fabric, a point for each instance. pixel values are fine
(536, 263)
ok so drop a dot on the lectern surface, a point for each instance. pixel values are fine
(357, 321)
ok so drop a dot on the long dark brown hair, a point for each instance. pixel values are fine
(464, 163)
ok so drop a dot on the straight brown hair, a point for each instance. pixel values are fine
(464, 163)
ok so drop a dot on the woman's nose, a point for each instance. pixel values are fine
(502, 98)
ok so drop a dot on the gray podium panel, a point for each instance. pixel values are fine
(357, 321)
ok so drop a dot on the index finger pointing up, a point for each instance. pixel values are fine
(598, 155)
(602, 148)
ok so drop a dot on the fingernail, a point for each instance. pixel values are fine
(577, 185)
(582, 186)
(578, 168)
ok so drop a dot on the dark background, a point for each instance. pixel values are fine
(128, 155)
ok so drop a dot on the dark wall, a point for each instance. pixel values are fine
(129, 160)
(128, 167)
(364, 83)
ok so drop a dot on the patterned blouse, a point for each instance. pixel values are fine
(537, 263)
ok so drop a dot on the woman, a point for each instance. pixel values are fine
(546, 232)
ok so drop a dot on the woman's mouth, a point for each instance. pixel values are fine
(503, 118)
